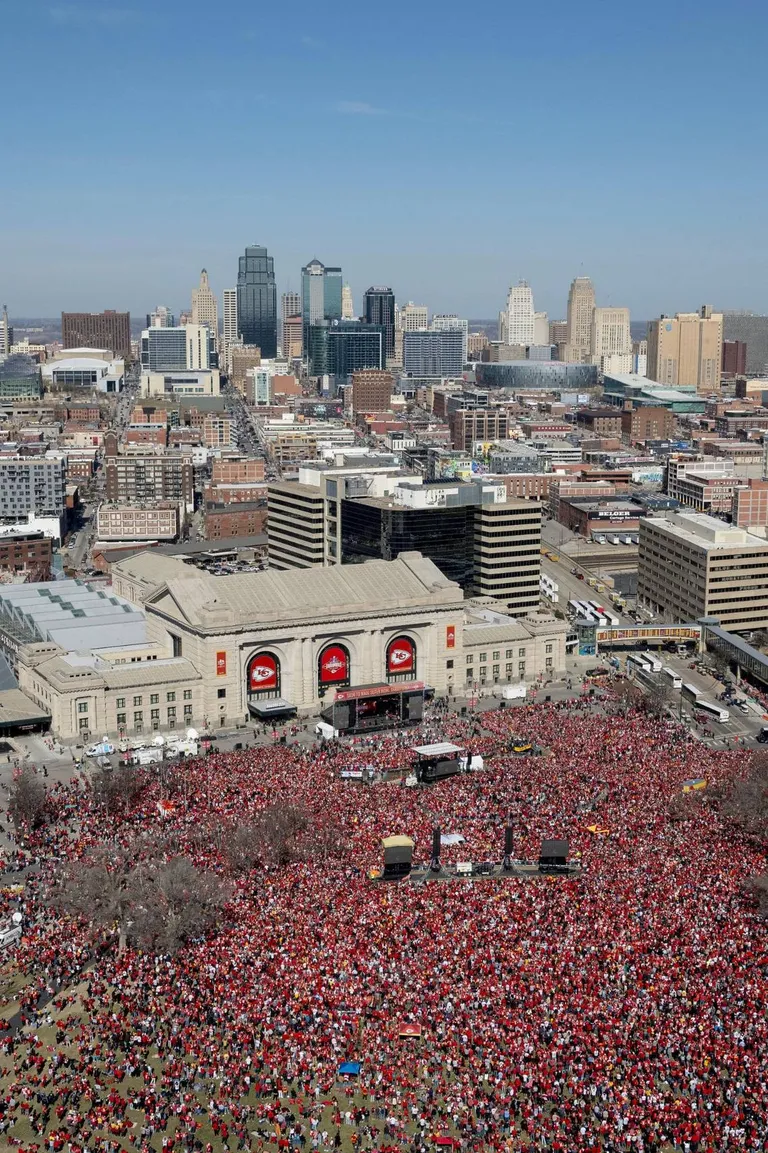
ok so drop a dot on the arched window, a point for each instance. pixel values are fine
(401, 660)
(333, 667)
(264, 675)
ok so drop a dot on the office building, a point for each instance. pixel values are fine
(692, 565)
(640, 357)
(26, 551)
(162, 317)
(558, 332)
(231, 332)
(379, 309)
(452, 323)
(320, 295)
(137, 479)
(412, 317)
(20, 378)
(241, 360)
(6, 333)
(108, 329)
(541, 328)
(537, 374)
(428, 353)
(611, 340)
(340, 347)
(347, 303)
(372, 391)
(293, 337)
(205, 310)
(138, 522)
(176, 349)
(753, 331)
(687, 350)
(647, 422)
(581, 305)
(184, 382)
(750, 505)
(290, 304)
(477, 343)
(32, 485)
(257, 300)
(734, 358)
(471, 426)
(519, 318)
(506, 540)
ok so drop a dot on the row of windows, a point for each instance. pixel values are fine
(154, 698)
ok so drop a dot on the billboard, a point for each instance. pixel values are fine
(333, 665)
(450, 636)
(401, 656)
(221, 664)
(263, 673)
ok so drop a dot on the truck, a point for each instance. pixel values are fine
(516, 692)
(183, 747)
(104, 749)
(148, 756)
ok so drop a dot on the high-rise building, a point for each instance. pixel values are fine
(734, 358)
(257, 300)
(231, 331)
(452, 323)
(175, 349)
(427, 353)
(6, 333)
(290, 304)
(753, 331)
(340, 347)
(205, 310)
(519, 325)
(32, 485)
(320, 295)
(379, 308)
(558, 332)
(581, 305)
(162, 317)
(413, 316)
(611, 340)
(347, 303)
(293, 342)
(108, 329)
(540, 328)
(372, 390)
(477, 342)
(687, 350)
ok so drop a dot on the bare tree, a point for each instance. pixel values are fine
(151, 900)
(758, 887)
(658, 699)
(627, 694)
(280, 827)
(27, 800)
(747, 803)
(116, 791)
(243, 847)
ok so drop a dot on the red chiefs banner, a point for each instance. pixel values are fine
(221, 664)
(263, 673)
(450, 636)
(401, 656)
(334, 666)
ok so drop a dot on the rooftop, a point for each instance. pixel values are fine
(705, 532)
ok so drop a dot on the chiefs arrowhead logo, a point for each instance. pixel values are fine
(399, 656)
(261, 673)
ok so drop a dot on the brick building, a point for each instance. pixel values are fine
(138, 522)
(372, 390)
(238, 470)
(144, 478)
(599, 421)
(109, 330)
(242, 359)
(750, 505)
(217, 431)
(222, 520)
(642, 424)
(734, 358)
(470, 425)
(26, 552)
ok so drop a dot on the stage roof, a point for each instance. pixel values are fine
(438, 750)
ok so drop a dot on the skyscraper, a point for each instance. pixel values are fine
(290, 304)
(204, 307)
(611, 340)
(520, 326)
(379, 308)
(581, 305)
(541, 328)
(320, 295)
(162, 317)
(347, 303)
(687, 350)
(413, 317)
(231, 331)
(430, 353)
(257, 300)
(291, 330)
(6, 334)
(452, 323)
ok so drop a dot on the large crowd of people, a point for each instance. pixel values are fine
(620, 1009)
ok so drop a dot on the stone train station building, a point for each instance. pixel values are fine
(222, 651)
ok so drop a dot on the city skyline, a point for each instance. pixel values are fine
(655, 228)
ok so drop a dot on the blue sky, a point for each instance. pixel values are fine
(448, 150)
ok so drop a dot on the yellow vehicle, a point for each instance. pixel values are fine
(592, 582)
(554, 556)
(522, 747)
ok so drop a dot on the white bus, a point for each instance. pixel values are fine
(644, 661)
(716, 711)
(691, 691)
(654, 662)
(635, 665)
(673, 679)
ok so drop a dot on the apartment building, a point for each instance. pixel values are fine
(372, 390)
(27, 551)
(141, 479)
(750, 505)
(647, 422)
(703, 485)
(486, 425)
(34, 485)
(693, 565)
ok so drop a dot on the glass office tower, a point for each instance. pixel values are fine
(320, 295)
(379, 308)
(257, 300)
